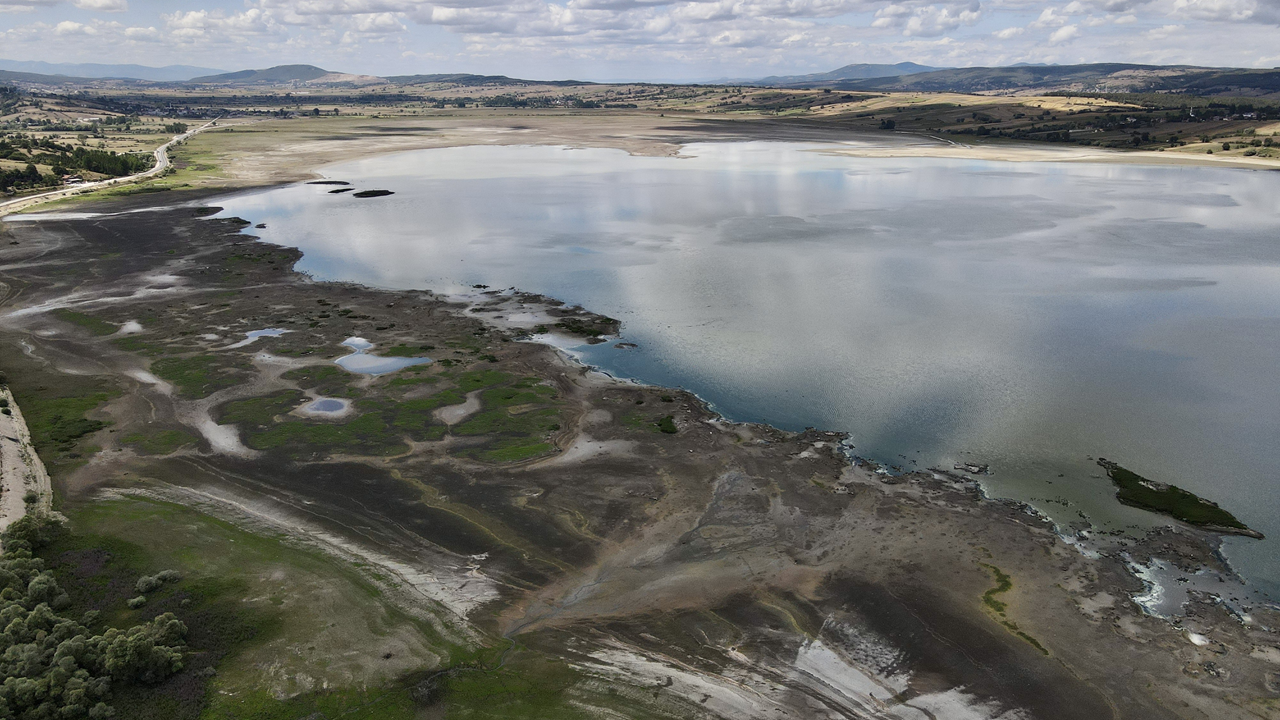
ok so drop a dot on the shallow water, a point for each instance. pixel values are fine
(325, 406)
(362, 362)
(253, 335)
(1029, 315)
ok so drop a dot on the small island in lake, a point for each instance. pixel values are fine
(1137, 491)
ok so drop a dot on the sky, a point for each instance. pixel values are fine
(657, 40)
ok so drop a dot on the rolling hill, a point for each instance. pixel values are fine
(168, 73)
(858, 71)
(1095, 77)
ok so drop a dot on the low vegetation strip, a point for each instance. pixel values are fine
(998, 607)
(1137, 491)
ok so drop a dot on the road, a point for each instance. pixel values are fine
(162, 163)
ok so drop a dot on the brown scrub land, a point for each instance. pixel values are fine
(502, 533)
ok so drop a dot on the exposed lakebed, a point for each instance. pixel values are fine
(1032, 316)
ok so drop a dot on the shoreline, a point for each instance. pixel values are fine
(301, 153)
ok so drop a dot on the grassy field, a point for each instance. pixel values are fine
(56, 407)
(267, 620)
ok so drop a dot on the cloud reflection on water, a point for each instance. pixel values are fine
(1034, 314)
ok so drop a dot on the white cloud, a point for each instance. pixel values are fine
(686, 38)
(1064, 34)
(1050, 18)
(103, 5)
(70, 27)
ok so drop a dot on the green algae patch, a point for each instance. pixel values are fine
(1136, 491)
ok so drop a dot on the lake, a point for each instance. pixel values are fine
(1033, 316)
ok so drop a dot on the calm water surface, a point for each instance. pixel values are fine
(1029, 315)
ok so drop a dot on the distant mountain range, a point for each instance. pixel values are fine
(902, 77)
(859, 71)
(168, 73)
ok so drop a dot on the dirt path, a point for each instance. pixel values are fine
(21, 471)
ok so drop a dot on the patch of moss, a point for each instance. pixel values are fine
(502, 421)
(201, 375)
(367, 434)
(259, 411)
(1137, 491)
(88, 322)
(405, 351)
(160, 442)
(477, 379)
(328, 380)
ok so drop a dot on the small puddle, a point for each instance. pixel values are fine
(360, 361)
(325, 407)
(253, 335)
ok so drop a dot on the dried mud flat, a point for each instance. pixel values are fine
(503, 492)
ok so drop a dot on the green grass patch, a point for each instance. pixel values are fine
(394, 703)
(477, 379)
(367, 434)
(249, 601)
(259, 411)
(512, 450)
(667, 425)
(201, 375)
(414, 417)
(405, 351)
(160, 442)
(88, 322)
(502, 421)
(328, 380)
(55, 407)
(412, 381)
(1137, 491)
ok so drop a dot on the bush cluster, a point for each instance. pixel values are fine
(54, 667)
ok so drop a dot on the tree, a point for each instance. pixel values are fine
(54, 666)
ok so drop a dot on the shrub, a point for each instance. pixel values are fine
(169, 576)
(136, 602)
(147, 584)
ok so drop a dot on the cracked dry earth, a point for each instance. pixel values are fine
(723, 571)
